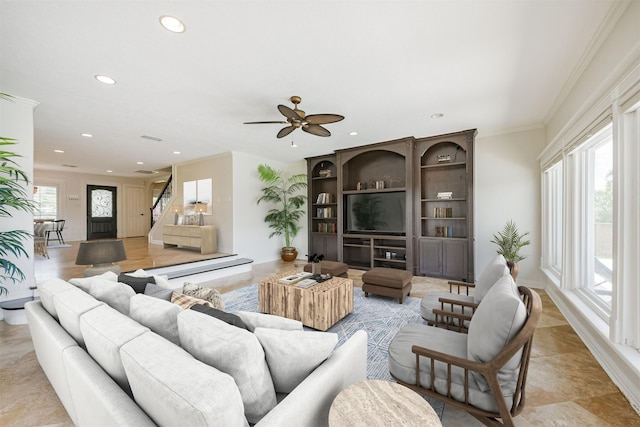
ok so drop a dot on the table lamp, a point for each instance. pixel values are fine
(200, 207)
(177, 209)
(101, 254)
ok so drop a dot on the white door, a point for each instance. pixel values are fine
(137, 212)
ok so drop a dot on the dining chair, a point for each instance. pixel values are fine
(57, 227)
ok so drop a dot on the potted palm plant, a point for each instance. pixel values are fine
(13, 196)
(509, 242)
(284, 194)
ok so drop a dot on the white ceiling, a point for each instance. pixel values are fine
(386, 66)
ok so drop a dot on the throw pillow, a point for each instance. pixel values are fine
(229, 318)
(158, 315)
(490, 275)
(137, 283)
(84, 283)
(185, 301)
(498, 318)
(115, 294)
(160, 280)
(158, 292)
(293, 355)
(207, 294)
(254, 320)
(234, 351)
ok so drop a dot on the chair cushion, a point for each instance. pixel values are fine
(234, 351)
(498, 318)
(490, 275)
(158, 315)
(175, 389)
(293, 355)
(105, 330)
(431, 301)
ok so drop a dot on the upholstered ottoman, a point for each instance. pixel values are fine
(389, 282)
(334, 268)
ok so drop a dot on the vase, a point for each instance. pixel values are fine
(316, 269)
(289, 254)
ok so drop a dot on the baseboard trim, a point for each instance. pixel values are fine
(621, 363)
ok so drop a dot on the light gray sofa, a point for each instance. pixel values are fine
(110, 370)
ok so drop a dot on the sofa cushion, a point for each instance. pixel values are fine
(105, 330)
(254, 320)
(70, 305)
(185, 301)
(229, 318)
(115, 294)
(138, 284)
(84, 283)
(293, 355)
(234, 351)
(158, 315)
(207, 294)
(157, 291)
(498, 318)
(490, 275)
(48, 289)
(175, 389)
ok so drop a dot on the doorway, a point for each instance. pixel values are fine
(101, 212)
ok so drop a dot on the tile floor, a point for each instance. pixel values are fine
(566, 386)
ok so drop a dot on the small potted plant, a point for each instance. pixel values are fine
(284, 194)
(509, 242)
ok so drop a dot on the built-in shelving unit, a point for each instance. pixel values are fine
(323, 206)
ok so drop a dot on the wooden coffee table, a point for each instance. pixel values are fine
(319, 306)
(381, 403)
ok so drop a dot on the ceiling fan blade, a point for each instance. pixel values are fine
(322, 119)
(259, 123)
(316, 130)
(288, 112)
(286, 131)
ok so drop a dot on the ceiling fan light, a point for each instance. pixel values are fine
(105, 79)
(172, 24)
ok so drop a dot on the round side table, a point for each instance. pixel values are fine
(381, 403)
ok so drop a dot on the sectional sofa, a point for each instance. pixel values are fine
(119, 358)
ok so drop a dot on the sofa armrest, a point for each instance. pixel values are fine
(309, 403)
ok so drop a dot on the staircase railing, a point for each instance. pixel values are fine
(161, 202)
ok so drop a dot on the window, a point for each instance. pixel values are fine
(46, 201)
(552, 188)
(596, 188)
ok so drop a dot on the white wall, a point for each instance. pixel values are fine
(16, 121)
(507, 186)
(251, 234)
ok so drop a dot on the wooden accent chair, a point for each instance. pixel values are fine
(483, 372)
(454, 309)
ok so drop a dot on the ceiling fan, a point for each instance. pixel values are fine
(298, 119)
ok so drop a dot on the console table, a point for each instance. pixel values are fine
(203, 237)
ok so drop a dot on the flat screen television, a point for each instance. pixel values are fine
(371, 213)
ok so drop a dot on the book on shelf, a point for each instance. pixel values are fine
(444, 231)
(442, 212)
(324, 212)
(327, 227)
(324, 198)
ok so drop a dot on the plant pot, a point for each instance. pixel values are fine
(289, 254)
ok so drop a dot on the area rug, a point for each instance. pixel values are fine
(380, 317)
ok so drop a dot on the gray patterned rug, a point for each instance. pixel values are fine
(380, 317)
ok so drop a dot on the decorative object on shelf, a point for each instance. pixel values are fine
(361, 185)
(510, 241)
(325, 173)
(379, 185)
(444, 158)
(13, 195)
(101, 254)
(315, 264)
(445, 195)
(200, 208)
(176, 209)
(298, 119)
(284, 194)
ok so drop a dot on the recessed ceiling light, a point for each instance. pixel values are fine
(140, 163)
(109, 171)
(58, 151)
(172, 24)
(437, 116)
(87, 135)
(176, 152)
(105, 79)
(353, 133)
